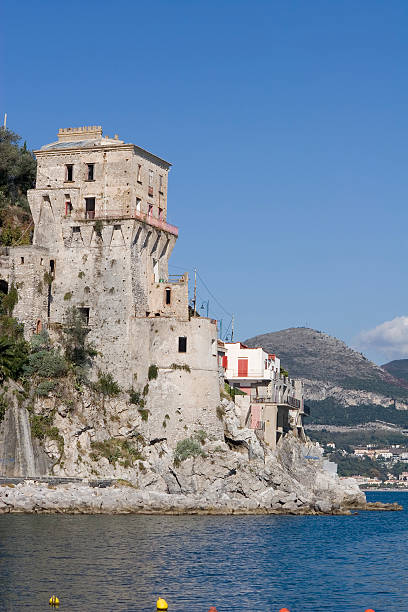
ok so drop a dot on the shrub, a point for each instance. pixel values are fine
(187, 448)
(46, 364)
(41, 428)
(135, 397)
(145, 389)
(77, 350)
(9, 301)
(13, 357)
(153, 372)
(45, 387)
(143, 413)
(201, 436)
(107, 385)
(98, 227)
(177, 366)
(284, 372)
(68, 296)
(115, 449)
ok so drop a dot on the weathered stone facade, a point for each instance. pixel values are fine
(101, 244)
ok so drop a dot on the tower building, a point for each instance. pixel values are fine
(101, 245)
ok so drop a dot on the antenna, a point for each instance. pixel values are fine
(195, 292)
(232, 329)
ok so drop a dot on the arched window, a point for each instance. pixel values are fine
(168, 295)
(38, 327)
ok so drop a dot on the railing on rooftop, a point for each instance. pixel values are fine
(120, 214)
(173, 279)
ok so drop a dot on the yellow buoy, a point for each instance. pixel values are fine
(161, 604)
(54, 601)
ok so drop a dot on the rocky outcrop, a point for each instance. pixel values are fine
(236, 474)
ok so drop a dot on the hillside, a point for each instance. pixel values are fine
(341, 385)
(397, 368)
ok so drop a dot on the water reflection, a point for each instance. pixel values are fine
(99, 563)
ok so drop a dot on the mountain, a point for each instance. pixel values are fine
(397, 368)
(341, 385)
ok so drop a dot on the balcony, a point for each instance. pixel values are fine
(120, 214)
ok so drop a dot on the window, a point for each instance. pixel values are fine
(91, 172)
(150, 178)
(139, 173)
(138, 205)
(69, 173)
(3, 287)
(150, 210)
(161, 214)
(182, 344)
(76, 230)
(161, 183)
(22, 260)
(168, 296)
(68, 208)
(84, 312)
(52, 266)
(89, 208)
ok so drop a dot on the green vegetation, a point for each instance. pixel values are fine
(17, 174)
(153, 372)
(78, 351)
(68, 296)
(232, 391)
(45, 387)
(284, 372)
(3, 406)
(347, 440)
(176, 366)
(144, 413)
(98, 227)
(145, 389)
(135, 397)
(350, 465)
(14, 349)
(42, 427)
(116, 450)
(330, 412)
(9, 301)
(106, 385)
(189, 447)
(45, 362)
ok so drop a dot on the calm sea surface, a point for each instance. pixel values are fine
(98, 563)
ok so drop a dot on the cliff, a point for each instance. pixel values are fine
(98, 437)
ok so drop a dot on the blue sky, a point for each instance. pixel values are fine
(286, 123)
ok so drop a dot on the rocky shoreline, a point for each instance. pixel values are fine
(33, 497)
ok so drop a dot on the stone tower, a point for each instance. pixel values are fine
(101, 244)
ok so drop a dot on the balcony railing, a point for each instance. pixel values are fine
(120, 214)
(292, 401)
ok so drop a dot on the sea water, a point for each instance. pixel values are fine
(240, 563)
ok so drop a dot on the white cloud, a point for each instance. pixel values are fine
(390, 338)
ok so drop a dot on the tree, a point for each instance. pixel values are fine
(17, 175)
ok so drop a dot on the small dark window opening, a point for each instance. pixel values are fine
(168, 296)
(116, 227)
(91, 172)
(89, 208)
(69, 172)
(76, 229)
(52, 266)
(68, 208)
(182, 344)
(84, 312)
(3, 287)
(22, 260)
